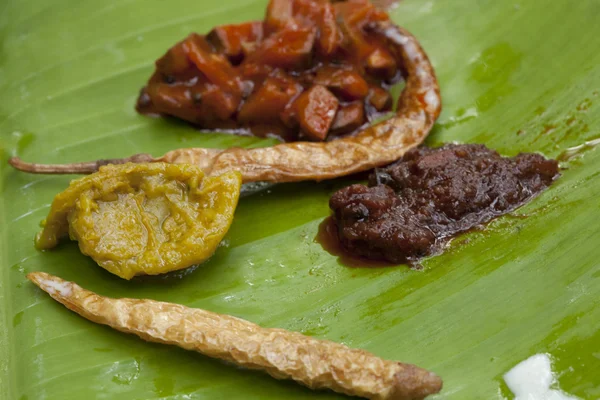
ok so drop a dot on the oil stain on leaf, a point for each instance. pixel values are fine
(494, 68)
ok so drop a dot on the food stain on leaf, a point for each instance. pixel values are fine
(18, 267)
(461, 117)
(164, 385)
(577, 151)
(539, 111)
(129, 372)
(495, 67)
(584, 105)
(562, 344)
(559, 131)
(102, 349)
(24, 139)
(569, 372)
(17, 142)
(17, 319)
(315, 328)
(496, 64)
(548, 128)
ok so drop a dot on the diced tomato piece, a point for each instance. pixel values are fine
(348, 118)
(353, 16)
(306, 12)
(381, 64)
(171, 100)
(229, 39)
(360, 12)
(255, 72)
(330, 37)
(285, 76)
(316, 110)
(212, 101)
(380, 99)
(350, 16)
(205, 103)
(378, 15)
(287, 48)
(347, 84)
(280, 15)
(214, 66)
(269, 100)
(174, 62)
(144, 104)
(289, 116)
(274, 130)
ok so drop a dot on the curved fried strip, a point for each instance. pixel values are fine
(282, 354)
(86, 167)
(418, 108)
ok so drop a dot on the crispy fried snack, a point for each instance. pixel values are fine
(318, 364)
(418, 108)
(144, 219)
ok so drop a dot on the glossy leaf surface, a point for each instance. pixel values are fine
(515, 75)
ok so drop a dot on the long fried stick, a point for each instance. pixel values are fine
(418, 108)
(315, 363)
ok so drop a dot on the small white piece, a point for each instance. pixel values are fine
(531, 380)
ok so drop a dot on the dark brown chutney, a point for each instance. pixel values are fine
(413, 207)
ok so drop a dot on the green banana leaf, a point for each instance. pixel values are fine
(520, 75)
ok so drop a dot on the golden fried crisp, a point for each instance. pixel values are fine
(380, 144)
(318, 364)
(144, 219)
